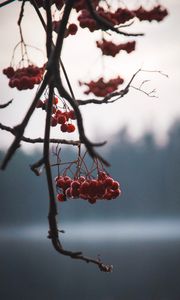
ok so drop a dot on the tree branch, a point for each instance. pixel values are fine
(6, 104)
(33, 2)
(108, 98)
(6, 3)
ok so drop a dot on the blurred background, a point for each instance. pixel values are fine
(138, 233)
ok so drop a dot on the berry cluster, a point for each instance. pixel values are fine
(86, 21)
(24, 78)
(111, 49)
(115, 18)
(123, 15)
(103, 187)
(63, 117)
(120, 16)
(157, 13)
(71, 29)
(100, 88)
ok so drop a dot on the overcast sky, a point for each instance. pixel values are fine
(158, 50)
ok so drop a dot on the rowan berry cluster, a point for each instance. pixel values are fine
(100, 88)
(87, 21)
(111, 49)
(101, 188)
(120, 16)
(24, 78)
(62, 117)
(157, 13)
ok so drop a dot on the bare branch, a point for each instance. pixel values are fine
(108, 98)
(149, 94)
(51, 141)
(78, 255)
(36, 165)
(140, 88)
(6, 3)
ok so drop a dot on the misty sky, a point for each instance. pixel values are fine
(158, 50)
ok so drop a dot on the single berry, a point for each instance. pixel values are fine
(61, 197)
(70, 128)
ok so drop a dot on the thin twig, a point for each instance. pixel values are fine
(108, 99)
(6, 104)
(21, 13)
(41, 140)
(35, 167)
(6, 3)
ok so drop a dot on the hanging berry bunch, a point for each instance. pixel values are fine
(24, 78)
(24, 74)
(86, 20)
(61, 114)
(157, 13)
(111, 49)
(85, 183)
(101, 88)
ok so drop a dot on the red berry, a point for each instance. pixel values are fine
(116, 193)
(115, 185)
(70, 128)
(75, 193)
(55, 100)
(69, 192)
(67, 183)
(102, 175)
(75, 185)
(60, 182)
(108, 182)
(54, 110)
(72, 115)
(58, 113)
(9, 72)
(64, 127)
(81, 178)
(84, 188)
(62, 119)
(72, 29)
(53, 121)
(61, 197)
